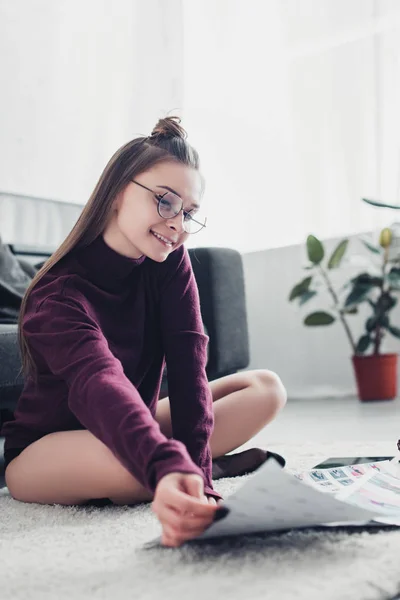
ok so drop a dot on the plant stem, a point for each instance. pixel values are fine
(336, 302)
(378, 332)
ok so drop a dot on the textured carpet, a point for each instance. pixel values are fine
(55, 552)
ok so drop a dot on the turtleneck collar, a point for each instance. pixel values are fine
(105, 267)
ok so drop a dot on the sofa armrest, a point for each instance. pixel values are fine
(220, 278)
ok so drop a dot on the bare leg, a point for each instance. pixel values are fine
(244, 403)
(72, 467)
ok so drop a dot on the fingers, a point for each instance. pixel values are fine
(188, 504)
(213, 501)
(194, 486)
(182, 523)
(182, 507)
(170, 541)
(173, 537)
(178, 528)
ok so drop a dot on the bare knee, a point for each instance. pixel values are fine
(270, 390)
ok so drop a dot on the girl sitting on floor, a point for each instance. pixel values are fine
(115, 302)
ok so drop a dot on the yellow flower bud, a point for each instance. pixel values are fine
(385, 238)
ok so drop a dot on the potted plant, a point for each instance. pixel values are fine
(376, 373)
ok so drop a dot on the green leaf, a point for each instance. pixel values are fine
(383, 321)
(393, 278)
(357, 295)
(300, 288)
(315, 250)
(394, 331)
(307, 296)
(385, 303)
(371, 324)
(363, 344)
(352, 310)
(337, 255)
(319, 318)
(372, 248)
(379, 320)
(367, 279)
(362, 285)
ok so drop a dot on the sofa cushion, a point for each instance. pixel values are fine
(15, 277)
(11, 380)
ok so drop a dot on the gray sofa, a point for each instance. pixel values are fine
(219, 275)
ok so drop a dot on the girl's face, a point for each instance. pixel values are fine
(136, 227)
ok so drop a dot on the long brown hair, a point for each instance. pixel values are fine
(167, 142)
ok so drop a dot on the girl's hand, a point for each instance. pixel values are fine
(212, 500)
(182, 508)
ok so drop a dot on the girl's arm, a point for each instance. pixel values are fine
(185, 346)
(67, 341)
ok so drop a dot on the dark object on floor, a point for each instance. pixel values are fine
(242, 463)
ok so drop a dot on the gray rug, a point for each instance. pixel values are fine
(54, 552)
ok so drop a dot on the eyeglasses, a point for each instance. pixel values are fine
(170, 205)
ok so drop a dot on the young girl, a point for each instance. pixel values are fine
(112, 304)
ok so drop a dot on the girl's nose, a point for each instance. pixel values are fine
(177, 222)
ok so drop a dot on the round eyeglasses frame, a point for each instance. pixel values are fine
(187, 217)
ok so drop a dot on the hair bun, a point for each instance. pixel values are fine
(169, 128)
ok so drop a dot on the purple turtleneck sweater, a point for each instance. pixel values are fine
(100, 327)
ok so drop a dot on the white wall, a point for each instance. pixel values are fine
(312, 361)
(79, 79)
(292, 105)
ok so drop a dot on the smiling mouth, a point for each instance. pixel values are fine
(163, 240)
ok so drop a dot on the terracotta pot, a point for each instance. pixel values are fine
(376, 376)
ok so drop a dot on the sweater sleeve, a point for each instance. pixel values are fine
(71, 344)
(185, 346)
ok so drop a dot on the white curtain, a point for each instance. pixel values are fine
(79, 79)
(292, 104)
(294, 107)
